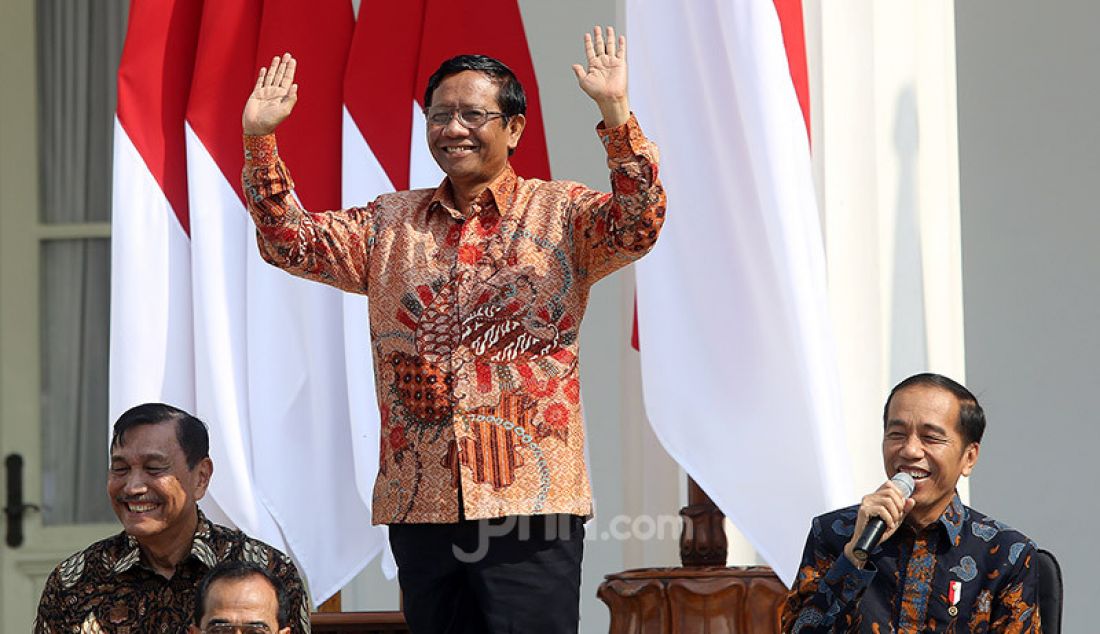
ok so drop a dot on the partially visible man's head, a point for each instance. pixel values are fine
(240, 596)
(473, 153)
(933, 428)
(160, 468)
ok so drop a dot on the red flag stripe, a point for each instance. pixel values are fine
(224, 76)
(154, 78)
(311, 138)
(380, 81)
(794, 40)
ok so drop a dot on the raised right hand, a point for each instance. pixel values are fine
(272, 98)
(885, 502)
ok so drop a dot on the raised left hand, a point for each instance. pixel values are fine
(605, 78)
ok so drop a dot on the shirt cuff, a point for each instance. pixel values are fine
(260, 150)
(625, 141)
(850, 580)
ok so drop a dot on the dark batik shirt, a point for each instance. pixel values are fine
(108, 587)
(963, 573)
(474, 321)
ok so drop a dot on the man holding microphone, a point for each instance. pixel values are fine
(939, 566)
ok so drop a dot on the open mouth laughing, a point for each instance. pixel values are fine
(917, 473)
(139, 507)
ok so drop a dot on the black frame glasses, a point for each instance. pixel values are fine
(469, 118)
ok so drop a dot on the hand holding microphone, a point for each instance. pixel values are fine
(880, 514)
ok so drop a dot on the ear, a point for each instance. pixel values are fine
(515, 130)
(970, 458)
(285, 630)
(203, 471)
(193, 630)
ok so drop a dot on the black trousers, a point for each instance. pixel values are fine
(511, 574)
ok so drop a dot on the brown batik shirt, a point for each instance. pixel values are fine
(474, 321)
(109, 588)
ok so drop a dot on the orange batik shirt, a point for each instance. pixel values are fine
(474, 321)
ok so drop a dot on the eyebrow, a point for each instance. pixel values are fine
(920, 426)
(143, 457)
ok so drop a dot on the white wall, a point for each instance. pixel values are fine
(1029, 142)
(885, 158)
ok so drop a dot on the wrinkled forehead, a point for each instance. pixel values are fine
(923, 407)
(467, 88)
(160, 438)
(249, 600)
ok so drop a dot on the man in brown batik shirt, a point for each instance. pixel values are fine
(477, 290)
(144, 579)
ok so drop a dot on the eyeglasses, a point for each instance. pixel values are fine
(470, 118)
(229, 628)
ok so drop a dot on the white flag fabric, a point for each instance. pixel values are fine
(738, 360)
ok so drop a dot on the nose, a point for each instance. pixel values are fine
(134, 483)
(912, 447)
(454, 128)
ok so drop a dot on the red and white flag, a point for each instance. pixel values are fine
(198, 319)
(738, 360)
(152, 350)
(269, 346)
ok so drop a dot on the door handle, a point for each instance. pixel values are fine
(15, 508)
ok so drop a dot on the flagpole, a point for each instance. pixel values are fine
(703, 534)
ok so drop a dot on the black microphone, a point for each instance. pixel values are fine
(872, 533)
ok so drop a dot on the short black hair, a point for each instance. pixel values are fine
(191, 432)
(971, 421)
(510, 96)
(237, 569)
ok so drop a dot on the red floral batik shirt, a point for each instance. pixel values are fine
(474, 321)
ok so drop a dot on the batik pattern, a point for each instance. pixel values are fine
(474, 321)
(109, 588)
(905, 587)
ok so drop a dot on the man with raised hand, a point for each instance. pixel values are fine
(477, 289)
(941, 566)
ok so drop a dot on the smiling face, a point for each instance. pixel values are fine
(248, 603)
(472, 158)
(152, 490)
(923, 439)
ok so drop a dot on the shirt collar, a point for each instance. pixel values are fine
(201, 548)
(500, 191)
(953, 518)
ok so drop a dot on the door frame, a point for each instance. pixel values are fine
(23, 570)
